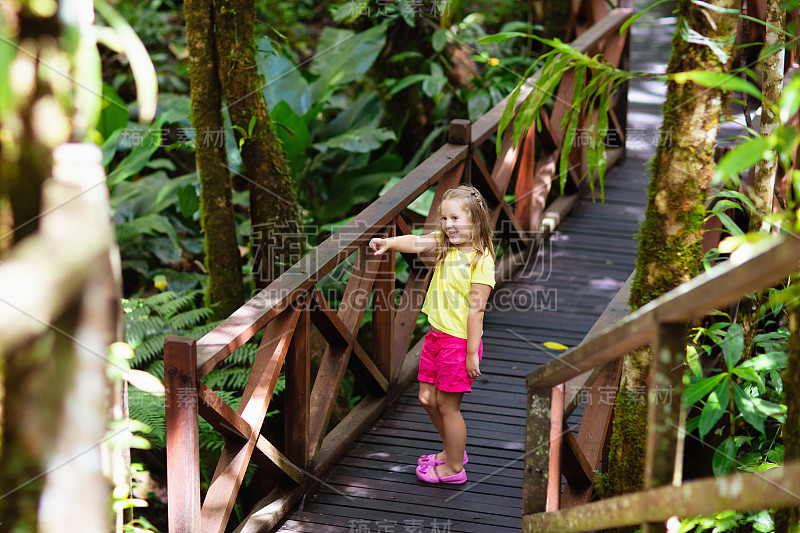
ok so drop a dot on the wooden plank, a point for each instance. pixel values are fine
(323, 394)
(297, 371)
(183, 441)
(220, 415)
(235, 456)
(505, 163)
(775, 488)
(383, 314)
(331, 326)
(719, 286)
(556, 433)
(526, 191)
(356, 294)
(269, 451)
(245, 322)
(269, 511)
(574, 465)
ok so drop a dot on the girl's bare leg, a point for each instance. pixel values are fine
(429, 398)
(455, 431)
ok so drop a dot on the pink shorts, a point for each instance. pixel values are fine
(443, 362)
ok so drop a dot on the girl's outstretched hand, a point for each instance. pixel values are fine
(379, 245)
(473, 368)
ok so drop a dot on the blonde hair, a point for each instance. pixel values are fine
(473, 203)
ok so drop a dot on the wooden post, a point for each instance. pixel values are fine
(183, 442)
(537, 450)
(664, 409)
(461, 133)
(298, 388)
(383, 314)
(554, 464)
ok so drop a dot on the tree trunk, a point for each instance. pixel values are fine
(771, 90)
(763, 187)
(787, 520)
(223, 262)
(670, 238)
(274, 211)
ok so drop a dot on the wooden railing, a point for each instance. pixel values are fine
(661, 322)
(287, 308)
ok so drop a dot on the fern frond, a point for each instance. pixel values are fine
(148, 350)
(160, 299)
(243, 356)
(188, 319)
(232, 378)
(199, 331)
(149, 410)
(170, 308)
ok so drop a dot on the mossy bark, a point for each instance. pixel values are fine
(670, 238)
(274, 211)
(557, 21)
(224, 290)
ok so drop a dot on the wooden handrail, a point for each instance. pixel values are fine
(721, 285)
(289, 305)
(777, 487)
(661, 321)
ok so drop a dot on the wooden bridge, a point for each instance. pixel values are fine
(537, 419)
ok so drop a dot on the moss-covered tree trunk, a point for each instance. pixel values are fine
(670, 238)
(274, 211)
(557, 20)
(788, 520)
(223, 262)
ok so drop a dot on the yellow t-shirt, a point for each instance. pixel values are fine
(447, 301)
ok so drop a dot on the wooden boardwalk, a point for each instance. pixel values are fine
(556, 297)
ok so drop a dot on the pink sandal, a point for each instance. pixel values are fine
(431, 460)
(429, 474)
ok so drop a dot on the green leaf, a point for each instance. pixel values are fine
(293, 133)
(508, 114)
(724, 457)
(748, 408)
(150, 225)
(635, 17)
(767, 361)
(569, 138)
(343, 56)
(407, 82)
(742, 158)
(361, 140)
(790, 99)
(733, 345)
(439, 40)
(717, 80)
(500, 37)
(114, 112)
(698, 390)
(477, 105)
(749, 374)
(407, 12)
(715, 407)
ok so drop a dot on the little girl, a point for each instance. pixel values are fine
(463, 276)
